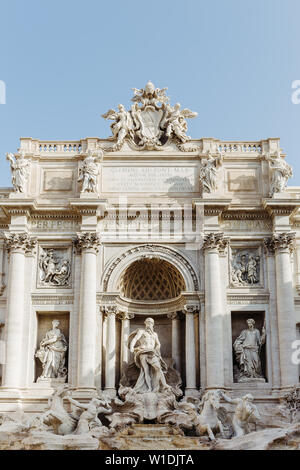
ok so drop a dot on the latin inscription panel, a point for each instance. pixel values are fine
(163, 179)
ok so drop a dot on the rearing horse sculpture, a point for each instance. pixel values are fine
(209, 417)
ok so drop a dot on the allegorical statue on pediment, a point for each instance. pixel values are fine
(122, 125)
(209, 171)
(151, 121)
(282, 171)
(88, 172)
(19, 166)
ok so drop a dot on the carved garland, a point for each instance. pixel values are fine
(154, 249)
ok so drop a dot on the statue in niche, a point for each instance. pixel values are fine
(145, 346)
(245, 269)
(88, 173)
(245, 412)
(53, 270)
(209, 172)
(247, 348)
(52, 354)
(20, 171)
(282, 171)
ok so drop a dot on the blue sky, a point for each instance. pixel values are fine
(233, 61)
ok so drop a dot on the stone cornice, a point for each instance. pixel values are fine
(212, 206)
(88, 206)
(281, 206)
(18, 206)
(66, 214)
(246, 215)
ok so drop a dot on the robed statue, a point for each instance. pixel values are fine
(247, 348)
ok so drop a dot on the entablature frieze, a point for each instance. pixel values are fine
(247, 299)
(48, 299)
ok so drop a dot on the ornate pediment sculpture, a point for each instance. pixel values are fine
(151, 121)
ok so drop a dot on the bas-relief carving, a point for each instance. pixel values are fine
(58, 180)
(20, 168)
(245, 268)
(52, 354)
(281, 172)
(54, 268)
(247, 348)
(242, 180)
(151, 121)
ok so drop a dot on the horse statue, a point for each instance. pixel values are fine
(56, 416)
(211, 415)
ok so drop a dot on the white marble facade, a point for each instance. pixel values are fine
(99, 234)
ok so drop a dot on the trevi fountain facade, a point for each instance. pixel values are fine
(150, 286)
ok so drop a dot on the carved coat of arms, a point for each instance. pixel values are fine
(151, 121)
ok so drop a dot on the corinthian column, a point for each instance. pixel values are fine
(282, 244)
(17, 244)
(190, 349)
(176, 340)
(110, 359)
(88, 244)
(125, 318)
(214, 244)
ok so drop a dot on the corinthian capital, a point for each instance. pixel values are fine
(19, 242)
(125, 315)
(280, 241)
(87, 241)
(215, 240)
(191, 308)
(110, 310)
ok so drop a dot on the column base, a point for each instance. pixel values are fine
(192, 392)
(110, 391)
(84, 392)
